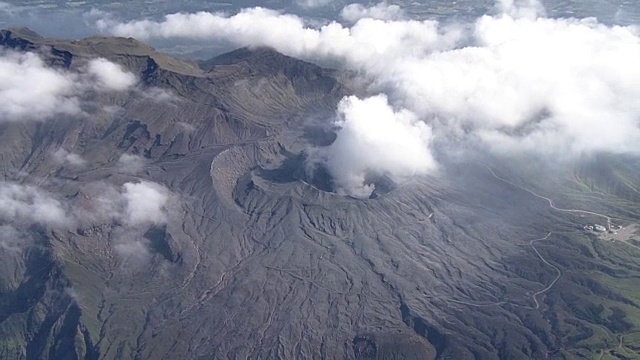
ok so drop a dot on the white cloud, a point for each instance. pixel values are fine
(98, 203)
(133, 204)
(110, 76)
(129, 209)
(7, 8)
(160, 95)
(29, 204)
(367, 39)
(515, 81)
(135, 250)
(131, 164)
(145, 203)
(11, 239)
(382, 11)
(32, 90)
(312, 4)
(64, 157)
(73, 294)
(521, 8)
(542, 85)
(375, 140)
(186, 127)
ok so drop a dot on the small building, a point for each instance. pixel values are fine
(600, 228)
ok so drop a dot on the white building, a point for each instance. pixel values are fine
(600, 228)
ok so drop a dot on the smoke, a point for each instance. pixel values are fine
(32, 90)
(514, 82)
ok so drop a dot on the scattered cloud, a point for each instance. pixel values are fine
(26, 204)
(313, 4)
(549, 86)
(98, 203)
(159, 95)
(32, 90)
(71, 292)
(94, 14)
(109, 76)
(145, 203)
(186, 127)
(515, 81)
(131, 164)
(530, 9)
(7, 8)
(366, 40)
(134, 250)
(12, 240)
(133, 204)
(64, 157)
(382, 11)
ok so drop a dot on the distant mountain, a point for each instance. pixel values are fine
(176, 218)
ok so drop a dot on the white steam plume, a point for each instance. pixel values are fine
(375, 140)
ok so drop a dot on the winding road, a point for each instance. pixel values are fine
(535, 295)
(550, 201)
(531, 243)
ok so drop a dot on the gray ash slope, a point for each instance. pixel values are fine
(258, 260)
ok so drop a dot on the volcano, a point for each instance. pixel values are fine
(256, 255)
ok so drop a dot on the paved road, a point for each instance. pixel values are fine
(550, 201)
(531, 243)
